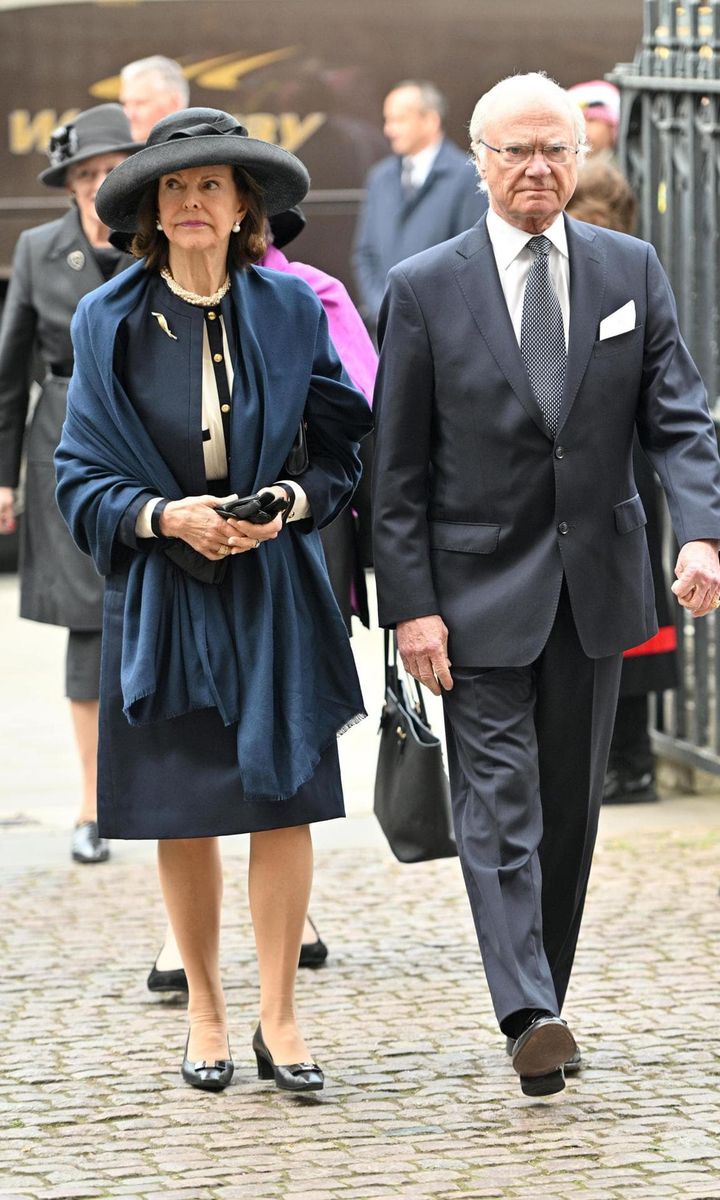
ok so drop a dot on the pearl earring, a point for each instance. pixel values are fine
(236, 227)
(158, 226)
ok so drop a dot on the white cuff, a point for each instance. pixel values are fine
(143, 528)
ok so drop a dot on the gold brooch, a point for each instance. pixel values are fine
(163, 324)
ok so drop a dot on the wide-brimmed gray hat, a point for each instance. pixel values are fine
(197, 137)
(101, 130)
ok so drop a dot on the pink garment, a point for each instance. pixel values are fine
(350, 337)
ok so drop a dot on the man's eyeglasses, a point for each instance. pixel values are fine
(517, 154)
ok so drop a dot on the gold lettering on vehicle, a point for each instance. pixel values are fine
(294, 130)
(30, 132)
(218, 74)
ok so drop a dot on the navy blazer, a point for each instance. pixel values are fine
(391, 228)
(479, 512)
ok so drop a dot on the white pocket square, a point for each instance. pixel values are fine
(621, 321)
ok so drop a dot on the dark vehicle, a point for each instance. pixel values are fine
(308, 74)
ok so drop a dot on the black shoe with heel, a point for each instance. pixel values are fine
(87, 846)
(313, 954)
(210, 1077)
(167, 981)
(297, 1077)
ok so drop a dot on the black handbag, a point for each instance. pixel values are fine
(412, 794)
(298, 459)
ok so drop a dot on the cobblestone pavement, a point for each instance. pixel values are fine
(420, 1101)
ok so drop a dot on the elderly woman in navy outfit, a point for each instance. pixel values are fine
(220, 700)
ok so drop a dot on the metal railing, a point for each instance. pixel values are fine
(669, 148)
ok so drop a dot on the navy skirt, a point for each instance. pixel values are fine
(180, 778)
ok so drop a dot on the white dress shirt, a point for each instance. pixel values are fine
(514, 261)
(214, 450)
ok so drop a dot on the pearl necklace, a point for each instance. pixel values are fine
(192, 297)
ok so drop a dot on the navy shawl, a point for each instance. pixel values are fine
(275, 659)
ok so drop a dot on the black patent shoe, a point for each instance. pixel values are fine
(210, 1077)
(86, 846)
(297, 1077)
(167, 981)
(313, 954)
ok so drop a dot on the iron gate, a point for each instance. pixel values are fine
(669, 148)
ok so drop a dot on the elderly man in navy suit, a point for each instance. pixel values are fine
(424, 193)
(517, 361)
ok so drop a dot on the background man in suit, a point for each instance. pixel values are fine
(150, 89)
(422, 194)
(517, 361)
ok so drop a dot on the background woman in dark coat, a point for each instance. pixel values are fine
(604, 197)
(55, 266)
(220, 699)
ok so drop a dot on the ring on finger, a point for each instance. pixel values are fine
(223, 550)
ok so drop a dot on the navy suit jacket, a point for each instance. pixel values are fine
(391, 228)
(479, 512)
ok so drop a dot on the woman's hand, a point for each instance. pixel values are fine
(195, 521)
(7, 510)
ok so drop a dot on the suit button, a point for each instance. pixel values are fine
(559, 451)
(217, 357)
(563, 527)
(225, 408)
(211, 316)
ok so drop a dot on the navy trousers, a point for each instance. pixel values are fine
(527, 752)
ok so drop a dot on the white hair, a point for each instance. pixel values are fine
(532, 86)
(167, 71)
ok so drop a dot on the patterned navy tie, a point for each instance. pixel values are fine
(542, 337)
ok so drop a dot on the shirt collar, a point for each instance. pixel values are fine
(422, 162)
(508, 241)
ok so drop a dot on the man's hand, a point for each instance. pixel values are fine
(698, 577)
(422, 643)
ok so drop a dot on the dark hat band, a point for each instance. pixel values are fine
(206, 131)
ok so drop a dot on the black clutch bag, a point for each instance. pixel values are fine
(412, 794)
(205, 570)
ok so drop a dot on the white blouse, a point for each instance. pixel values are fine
(214, 450)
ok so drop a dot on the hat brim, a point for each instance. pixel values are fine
(55, 176)
(286, 226)
(283, 179)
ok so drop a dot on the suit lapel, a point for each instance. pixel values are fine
(71, 250)
(477, 277)
(587, 286)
